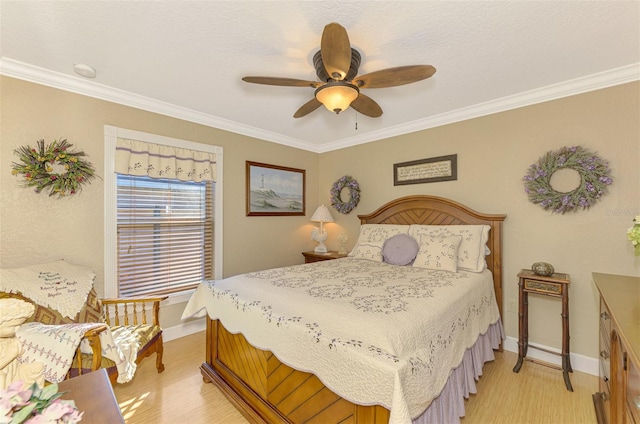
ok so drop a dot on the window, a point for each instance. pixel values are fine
(163, 230)
(165, 234)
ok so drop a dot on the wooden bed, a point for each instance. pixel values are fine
(265, 390)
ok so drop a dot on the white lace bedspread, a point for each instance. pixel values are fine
(374, 333)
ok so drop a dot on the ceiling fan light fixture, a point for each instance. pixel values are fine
(336, 96)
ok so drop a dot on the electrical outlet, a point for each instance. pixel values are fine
(512, 306)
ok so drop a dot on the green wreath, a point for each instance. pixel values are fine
(53, 167)
(594, 179)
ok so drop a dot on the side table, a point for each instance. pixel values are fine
(556, 285)
(93, 394)
(312, 256)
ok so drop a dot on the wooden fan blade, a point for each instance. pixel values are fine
(307, 108)
(366, 106)
(335, 50)
(287, 82)
(393, 77)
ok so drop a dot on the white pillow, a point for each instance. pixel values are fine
(371, 251)
(378, 233)
(472, 250)
(438, 253)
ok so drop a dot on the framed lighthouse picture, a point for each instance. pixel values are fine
(274, 190)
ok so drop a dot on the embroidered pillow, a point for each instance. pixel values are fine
(473, 247)
(371, 251)
(438, 253)
(378, 233)
(400, 249)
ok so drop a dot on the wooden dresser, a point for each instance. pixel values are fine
(618, 401)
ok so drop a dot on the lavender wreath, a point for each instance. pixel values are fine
(336, 190)
(594, 179)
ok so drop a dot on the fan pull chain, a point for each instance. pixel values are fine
(356, 120)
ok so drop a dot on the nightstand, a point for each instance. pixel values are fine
(555, 285)
(312, 256)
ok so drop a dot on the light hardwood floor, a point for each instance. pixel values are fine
(535, 395)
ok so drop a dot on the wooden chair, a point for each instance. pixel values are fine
(131, 314)
(135, 317)
(91, 312)
(138, 317)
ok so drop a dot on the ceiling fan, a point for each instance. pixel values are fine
(336, 65)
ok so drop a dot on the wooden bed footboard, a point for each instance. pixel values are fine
(265, 390)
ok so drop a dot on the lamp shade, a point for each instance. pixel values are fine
(322, 214)
(336, 96)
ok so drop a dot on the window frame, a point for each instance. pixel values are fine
(111, 134)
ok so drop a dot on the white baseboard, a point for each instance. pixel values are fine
(184, 329)
(580, 363)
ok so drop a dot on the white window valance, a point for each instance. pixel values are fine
(134, 157)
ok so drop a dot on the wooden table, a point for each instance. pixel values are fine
(93, 395)
(555, 285)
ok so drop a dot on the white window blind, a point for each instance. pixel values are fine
(164, 234)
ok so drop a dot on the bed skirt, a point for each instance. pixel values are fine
(448, 407)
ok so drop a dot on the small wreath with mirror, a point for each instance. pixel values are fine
(53, 167)
(593, 172)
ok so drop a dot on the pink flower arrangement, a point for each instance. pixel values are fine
(35, 405)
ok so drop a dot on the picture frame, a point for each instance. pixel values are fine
(273, 190)
(430, 170)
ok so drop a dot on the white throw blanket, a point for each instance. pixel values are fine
(55, 346)
(57, 285)
(374, 333)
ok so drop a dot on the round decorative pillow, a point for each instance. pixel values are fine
(400, 249)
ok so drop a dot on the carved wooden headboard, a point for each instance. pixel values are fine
(433, 210)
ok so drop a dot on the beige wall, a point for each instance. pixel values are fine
(493, 155)
(35, 228)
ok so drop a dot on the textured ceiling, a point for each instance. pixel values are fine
(186, 59)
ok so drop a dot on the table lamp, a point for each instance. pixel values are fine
(321, 215)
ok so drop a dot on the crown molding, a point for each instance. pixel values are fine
(23, 71)
(73, 84)
(609, 78)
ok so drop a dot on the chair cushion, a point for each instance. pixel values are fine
(142, 333)
(87, 361)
